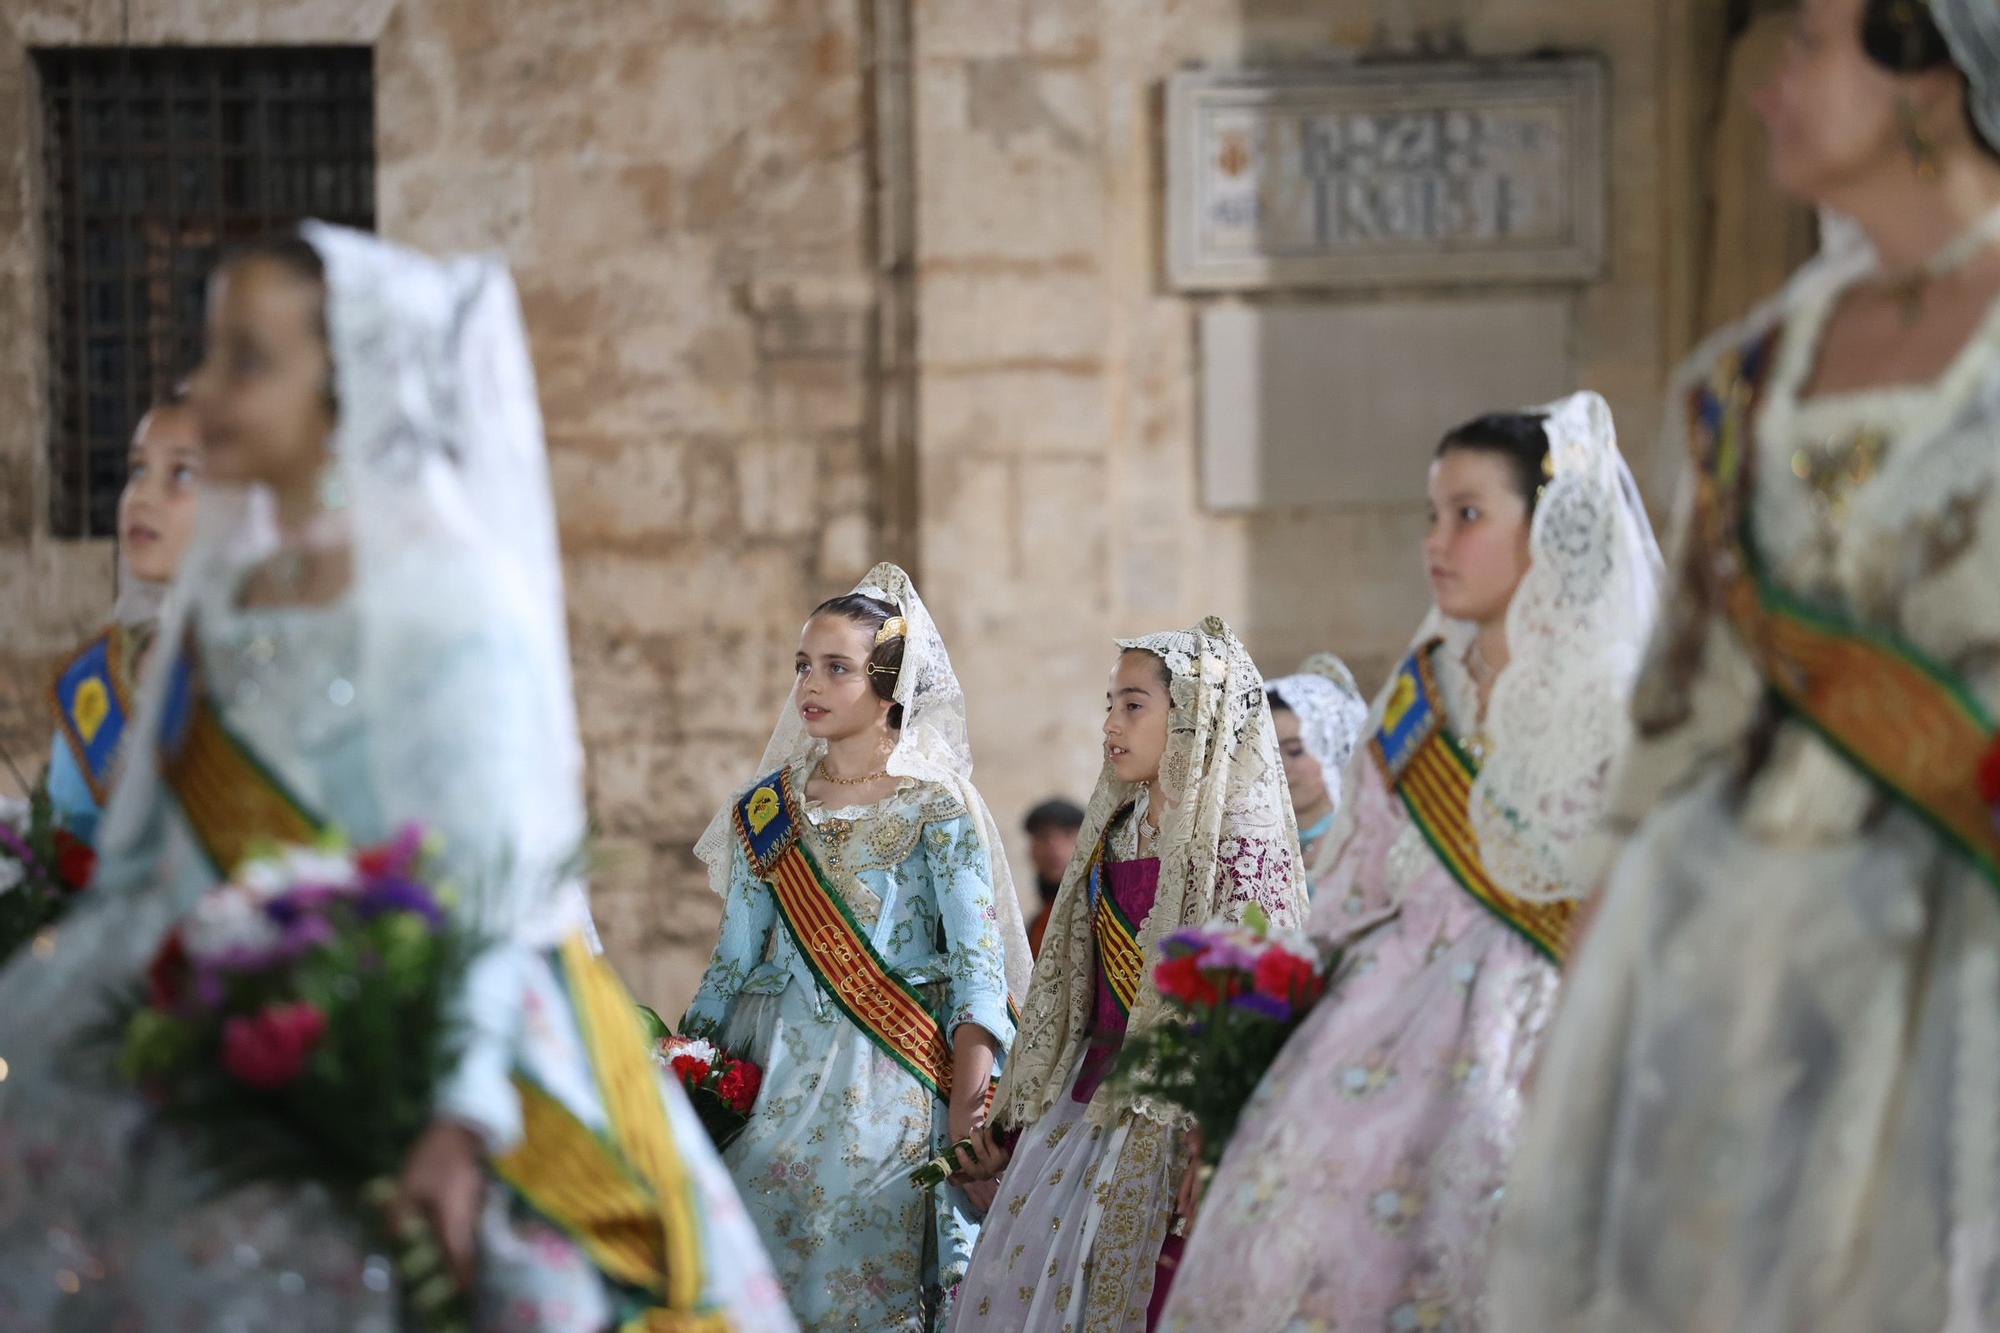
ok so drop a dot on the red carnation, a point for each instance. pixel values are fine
(1285, 976)
(693, 1070)
(1989, 774)
(269, 1049)
(1182, 979)
(739, 1086)
(166, 975)
(75, 861)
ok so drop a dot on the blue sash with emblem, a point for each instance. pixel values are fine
(92, 707)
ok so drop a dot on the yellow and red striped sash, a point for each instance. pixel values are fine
(1427, 767)
(232, 800)
(854, 976)
(1907, 723)
(630, 1202)
(1118, 951)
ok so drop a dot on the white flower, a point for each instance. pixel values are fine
(226, 921)
(15, 814)
(263, 878)
(279, 873)
(11, 873)
(310, 865)
(1295, 943)
(671, 1048)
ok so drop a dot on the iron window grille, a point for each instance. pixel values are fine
(157, 159)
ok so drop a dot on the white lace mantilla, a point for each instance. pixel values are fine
(1576, 629)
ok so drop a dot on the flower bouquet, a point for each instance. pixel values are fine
(1235, 994)
(41, 868)
(723, 1087)
(296, 1026)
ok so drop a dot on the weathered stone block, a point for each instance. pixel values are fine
(778, 487)
(979, 318)
(968, 27)
(620, 492)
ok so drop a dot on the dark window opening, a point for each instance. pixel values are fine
(157, 159)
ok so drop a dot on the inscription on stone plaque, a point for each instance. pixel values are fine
(1406, 173)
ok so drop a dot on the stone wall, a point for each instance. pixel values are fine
(1060, 497)
(682, 190)
(702, 202)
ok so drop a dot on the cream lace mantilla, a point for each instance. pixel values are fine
(1227, 840)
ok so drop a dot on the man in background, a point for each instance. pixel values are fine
(1052, 832)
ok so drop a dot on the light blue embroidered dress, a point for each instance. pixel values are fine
(69, 793)
(99, 1228)
(823, 1165)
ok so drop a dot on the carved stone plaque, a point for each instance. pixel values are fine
(1386, 174)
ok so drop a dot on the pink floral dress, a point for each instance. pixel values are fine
(1365, 1177)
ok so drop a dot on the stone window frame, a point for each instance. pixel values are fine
(57, 574)
(154, 160)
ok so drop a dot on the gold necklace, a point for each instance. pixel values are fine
(862, 781)
(1908, 287)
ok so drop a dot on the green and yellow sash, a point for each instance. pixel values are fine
(630, 1202)
(93, 704)
(1428, 767)
(1906, 722)
(232, 800)
(854, 976)
(1118, 950)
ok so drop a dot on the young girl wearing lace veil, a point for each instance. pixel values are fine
(95, 688)
(1190, 823)
(367, 632)
(1363, 1179)
(1769, 1101)
(871, 954)
(1319, 715)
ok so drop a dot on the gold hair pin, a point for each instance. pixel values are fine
(895, 627)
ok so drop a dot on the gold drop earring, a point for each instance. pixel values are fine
(1917, 141)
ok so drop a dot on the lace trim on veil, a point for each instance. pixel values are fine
(1227, 839)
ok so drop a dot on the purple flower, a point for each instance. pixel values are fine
(296, 904)
(207, 989)
(1275, 1010)
(301, 935)
(1228, 955)
(396, 894)
(1185, 941)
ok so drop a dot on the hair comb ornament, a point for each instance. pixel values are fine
(895, 627)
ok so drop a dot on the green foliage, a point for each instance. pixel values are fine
(39, 900)
(1207, 1069)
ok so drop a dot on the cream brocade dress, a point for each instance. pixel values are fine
(1771, 1101)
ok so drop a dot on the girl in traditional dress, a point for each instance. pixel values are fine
(371, 616)
(95, 689)
(871, 950)
(1319, 715)
(1190, 823)
(1363, 1180)
(1769, 1100)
